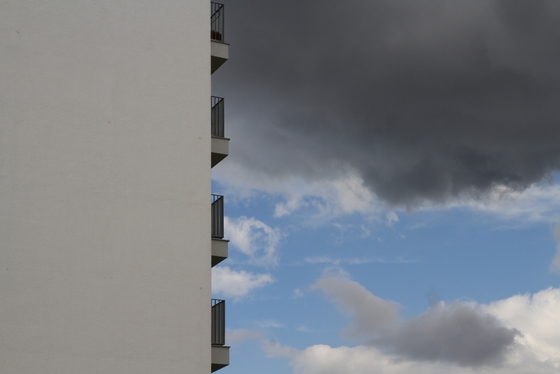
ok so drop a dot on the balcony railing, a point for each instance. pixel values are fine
(217, 22)
(218, 117)
(217, 216)
(218, 322)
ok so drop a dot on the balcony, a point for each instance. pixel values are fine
(219, 245)
(220, 352)
(219, 49)
(220, 144)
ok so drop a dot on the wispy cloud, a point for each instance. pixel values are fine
(269, 324)
(303, 328)
(237, 284)
(240, 335)
(319, 260)
(298, 293)
(323, 200)
(328, 260)
(327, 201)
(391, 218)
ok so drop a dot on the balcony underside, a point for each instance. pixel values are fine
(220, 149)
(219, 250)
(220, 54)
(220, 357)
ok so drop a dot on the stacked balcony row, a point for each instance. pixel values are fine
(220, 150)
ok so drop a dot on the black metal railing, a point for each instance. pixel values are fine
(217, 216)
(217, 22)
(218, 322)
(218, 117)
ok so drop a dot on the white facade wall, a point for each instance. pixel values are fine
(104, 186)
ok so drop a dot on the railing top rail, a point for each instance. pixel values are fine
(216, 7)
(216, 100)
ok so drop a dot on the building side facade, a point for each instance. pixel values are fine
(105, 154)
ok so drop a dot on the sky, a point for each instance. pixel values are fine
(392, 190)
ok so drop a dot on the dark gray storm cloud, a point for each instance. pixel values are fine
(426, 99)
(458, 333)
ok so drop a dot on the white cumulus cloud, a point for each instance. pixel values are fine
(537, 317)
(236, 284)
(254, 238)
(324, 359)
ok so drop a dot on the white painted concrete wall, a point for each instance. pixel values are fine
(104, 186)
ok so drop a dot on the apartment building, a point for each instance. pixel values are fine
(107, 234)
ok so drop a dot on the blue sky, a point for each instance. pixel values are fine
(392, 190)
(416, 259)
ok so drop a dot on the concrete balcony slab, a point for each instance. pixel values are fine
(220, 149)
(219, 250)
(220, 357)
(220, 54)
